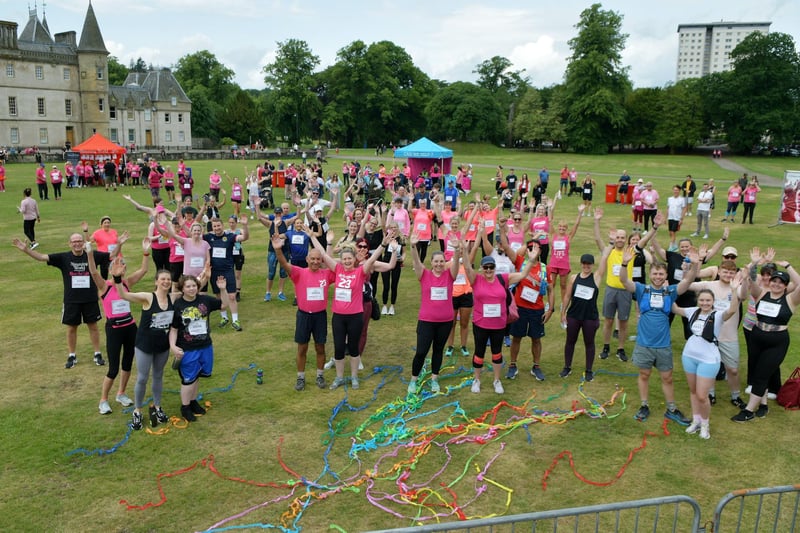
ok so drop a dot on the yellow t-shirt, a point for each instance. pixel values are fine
(613, 264)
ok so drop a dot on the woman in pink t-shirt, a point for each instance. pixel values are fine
(539, 226)
(348, 306)
(637, 207)
(558, 266)
(169, 184)
(490, 313)
(106, 240)
(196, 251)
(422, 224)
(435, 316)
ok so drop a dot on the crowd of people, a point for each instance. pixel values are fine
(523, 277)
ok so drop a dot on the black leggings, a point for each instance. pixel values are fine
(346, 334)
(428, 333)
(42, 191)
(161, 258)
(775, 381)
(120, 340)
(56, 190)
(391, 280)
(574, 327)
(28, 228)
(544, 252)
(748, 211)
(769, 351)
(495, 337)
(649, 218)
(422, 249)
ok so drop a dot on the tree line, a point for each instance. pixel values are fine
(374, 94)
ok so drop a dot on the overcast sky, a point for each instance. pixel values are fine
(445, 38)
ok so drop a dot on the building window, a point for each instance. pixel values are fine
(14, 135)
(39, 72)
(101, 104)
(131, 135)
(67, 74)
(180, 118)
(112, 112)
(100, 73)
(130, 114)
(43, 136)
(168, 136)
(174, 101)
(148, 115)
(181, 136)
(40, 106)
(10, 70)
(12, 106)
(166, 118)
(68, 107)
(114, 135)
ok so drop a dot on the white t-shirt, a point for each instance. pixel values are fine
(697, 347)
(704, 206)
(674, 207)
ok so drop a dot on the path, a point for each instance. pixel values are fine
(763, 179)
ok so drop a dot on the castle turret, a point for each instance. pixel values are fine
(93, 67)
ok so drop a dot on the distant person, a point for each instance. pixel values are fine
(622, 190)
(29, 210)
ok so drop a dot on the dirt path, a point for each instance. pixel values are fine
(727, 164)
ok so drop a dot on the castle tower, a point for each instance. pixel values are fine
(93, 68)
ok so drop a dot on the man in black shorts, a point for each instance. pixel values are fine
(222, 246)
(80, 291)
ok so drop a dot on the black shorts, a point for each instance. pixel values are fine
(76, 314)
(238, 262)
(308, 324)
(674, 225)
(463, 301)
(230, 281)
(169, 187)
(176, 270)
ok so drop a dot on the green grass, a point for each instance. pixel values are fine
(270, 435)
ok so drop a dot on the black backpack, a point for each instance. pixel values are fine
(708, 327)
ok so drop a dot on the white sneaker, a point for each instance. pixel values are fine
(693, 234)
(498, 387)
(124, 400)
(360, 365)
(704, 432)
(476, 386)
(330, 364)
(693, 427)
(384, 310)
(354, 383)
(435, 386)
(391, 310)
(749, 389)
(104, 408)
(412, 387)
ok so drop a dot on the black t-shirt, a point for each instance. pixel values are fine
(675, 275)
(191, 321)
(79, 287)
(221, 251)
(511, 180)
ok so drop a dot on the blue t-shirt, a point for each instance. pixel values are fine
(221, 251)
(298, 245)
(654, 306)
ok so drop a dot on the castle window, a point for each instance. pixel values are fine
(114, 135)
(39, 72)
(67, 74)
(130, 114)
(166, 118)
(100, 73)
(148, 115)
(174, 101)
(12, 106)
(181, 136)
(10, 70)
(131, 135)
(43, 139)
(112, 113)
(168, 136)
(14, 135)
(68, 107)
(101, 105)
(40, 108)
(180, 118)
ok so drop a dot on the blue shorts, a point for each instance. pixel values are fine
(308, 324)
(529, 324)
(230, 281)
(702, 370)
(196, 364)
(272, 264)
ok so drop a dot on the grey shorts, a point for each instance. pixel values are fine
(617, 302)
(647, 358)
(729, 352)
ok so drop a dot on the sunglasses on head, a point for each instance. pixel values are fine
(488, 267)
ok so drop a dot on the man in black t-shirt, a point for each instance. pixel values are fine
(222, 245)
(80, 291)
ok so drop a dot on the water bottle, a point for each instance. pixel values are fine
(260, 376)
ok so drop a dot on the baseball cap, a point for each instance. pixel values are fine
(317, 207)
(488, 260)
(730, 250)
(783, 276)
(278, 210)
(160, 209)
(587, 259)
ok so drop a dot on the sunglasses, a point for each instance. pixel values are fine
(362, 247)
(488, 267)
(517, 219)
(729, 256)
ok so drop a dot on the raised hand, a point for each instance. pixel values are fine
(598, 213)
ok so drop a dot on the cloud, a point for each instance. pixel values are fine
(543, 64)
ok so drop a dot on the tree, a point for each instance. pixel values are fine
(507, 85)
(643, 112)
(465, 112)
(117, 72)
(138, 66)
(291, 79)
(240, 119)
(535, 121)
(763, 92)
(595, 82)
(680, 120)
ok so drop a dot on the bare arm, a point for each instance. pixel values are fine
(22, 247)
(134, 278)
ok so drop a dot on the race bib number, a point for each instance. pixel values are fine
(656, 301)
(297, 239)
(516, 246)
(583, 292)
(343, 295)
(448, 199)
(197, 327)
(461, 279)
(80, 282)
(120, 307)
(438, 294)
(237, 251)
(637, 203)
(491, 311)
(587, 191)
(187, 186)
(218, 253)
(315, 294)
(422, 226)
(488, 223)
(163, 240)
(637, 272)
(678, 274)
(559, 245)
(401, 225)
(721, 305)
(769, 309)
(178, 250)
(197, 262)
(529, 294)
(615, 269)
(503, 269)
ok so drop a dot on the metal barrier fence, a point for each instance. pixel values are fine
(677, 514)
(774, 509)
(768, 509)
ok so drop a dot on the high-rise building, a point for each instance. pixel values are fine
(706, 48)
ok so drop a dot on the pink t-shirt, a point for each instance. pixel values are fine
(638, 205)
(348, 288)
(541, 225)
(489, 311)
(559, 252)
(311, 288)
(422, 223)
(176, 252)
(650, 199)
(436, 303)
(194, 256)
(56, 177)
(236, 192)
(734, 193)
(106, 240)
(466, 182)
(403, 221)
(162, 243)
(117, 310)
(447, 216)
(169, 179)
(516, 240)
(750, 195)
(214, 180)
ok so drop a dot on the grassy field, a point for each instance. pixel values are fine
(268, 456)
